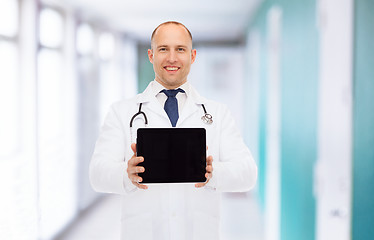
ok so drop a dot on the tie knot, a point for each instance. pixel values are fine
(172, 92)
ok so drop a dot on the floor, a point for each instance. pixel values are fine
(241, 220)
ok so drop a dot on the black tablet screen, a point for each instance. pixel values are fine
(172, 155)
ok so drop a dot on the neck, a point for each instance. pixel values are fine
(170, 86)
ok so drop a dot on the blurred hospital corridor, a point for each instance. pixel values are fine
(297, 77)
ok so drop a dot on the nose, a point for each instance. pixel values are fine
(172, 57)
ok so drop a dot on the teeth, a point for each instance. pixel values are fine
(171, 68)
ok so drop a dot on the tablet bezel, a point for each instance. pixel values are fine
(190, 168)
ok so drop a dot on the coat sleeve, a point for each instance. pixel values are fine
(108, 168)
(235, 169)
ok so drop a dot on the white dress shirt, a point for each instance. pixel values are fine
(181, 97)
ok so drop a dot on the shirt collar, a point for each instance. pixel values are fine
(154, 88)
(157, 88)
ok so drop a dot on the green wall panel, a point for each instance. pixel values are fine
(299, 86)
(299, 64)
(145, 71)
(259, 24)
(262, 129)
(363, 120)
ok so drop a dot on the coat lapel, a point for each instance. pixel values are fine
(150, 102)
(192, 105)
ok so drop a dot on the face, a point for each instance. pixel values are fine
(171, 55)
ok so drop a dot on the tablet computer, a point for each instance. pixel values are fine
(172, 155)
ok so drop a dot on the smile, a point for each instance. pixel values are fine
(171, 68)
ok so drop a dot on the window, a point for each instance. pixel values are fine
(51, 28)
(56, 127)
(9, 83)
(85, 40)
(111, 83)
(106, 46)
(88, 77)
(9, 18)
(9, 98)
(18, 202)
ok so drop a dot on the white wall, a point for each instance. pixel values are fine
(333, 169)
(273, 125)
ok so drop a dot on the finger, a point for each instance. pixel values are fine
(134, 170)
(208, 175)
(133, 148)
(138, 160)
(199, 185)
(209, 168)
(135, 161)
(202, 184)
(137, 183)
(141, 186)
(135, 178)
(209, 160)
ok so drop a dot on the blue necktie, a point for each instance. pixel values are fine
(171, 105)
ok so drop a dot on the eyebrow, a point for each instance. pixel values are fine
(178, 46)
(162, 46)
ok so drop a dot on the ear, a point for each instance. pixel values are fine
(150, 55)
(193, 55)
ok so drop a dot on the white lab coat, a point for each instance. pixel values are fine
(171, 211)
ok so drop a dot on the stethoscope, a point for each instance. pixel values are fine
(206, 118)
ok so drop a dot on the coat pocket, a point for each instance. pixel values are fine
(137, 227)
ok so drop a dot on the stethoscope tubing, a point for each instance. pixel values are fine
(140, 112)
(207, 118)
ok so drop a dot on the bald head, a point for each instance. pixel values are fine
(154, 33)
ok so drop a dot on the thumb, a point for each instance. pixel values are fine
(133, 148)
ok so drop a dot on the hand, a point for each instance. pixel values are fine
(209, 172)
(133, 169)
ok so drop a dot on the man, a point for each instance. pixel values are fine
(170, 211)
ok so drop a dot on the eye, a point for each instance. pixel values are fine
(162, 49)
(181, 49)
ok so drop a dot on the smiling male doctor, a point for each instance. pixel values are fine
(170, 211)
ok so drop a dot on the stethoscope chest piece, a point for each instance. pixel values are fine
(207, 118)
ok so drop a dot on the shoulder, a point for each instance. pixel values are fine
(214, 105)
(211, 106)
(125, 105)
(218, 109)
(217, 106)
